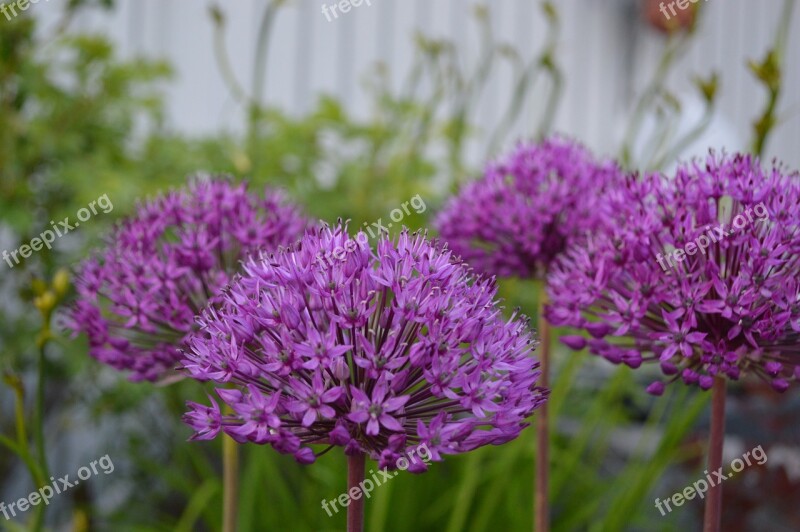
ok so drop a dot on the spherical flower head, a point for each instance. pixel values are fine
(699, 273)
(527, 208)
(376, 351)
(138, 296)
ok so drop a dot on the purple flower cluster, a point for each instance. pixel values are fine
(138, 296)
(377, 353)
(731, 308)
(527, 208)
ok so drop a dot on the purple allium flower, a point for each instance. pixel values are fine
(378, 352)
(139, 295)
(527, 208)
(699, 273)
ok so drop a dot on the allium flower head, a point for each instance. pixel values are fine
(527, 208)
(699, 273)
(139, 295)
(378, 352)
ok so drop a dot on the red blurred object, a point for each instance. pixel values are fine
(667, 15)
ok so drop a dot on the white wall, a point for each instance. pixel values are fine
(599, 49)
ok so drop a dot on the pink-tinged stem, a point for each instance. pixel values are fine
(711, 523)
(541, 488)
(355, 475)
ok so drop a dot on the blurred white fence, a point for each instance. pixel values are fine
(606, 55)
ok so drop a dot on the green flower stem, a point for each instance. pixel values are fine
(41, 451)
(672, 51)
(38, 420)
(230, 474)
(21, 448)
(771, 74)
(255, 111)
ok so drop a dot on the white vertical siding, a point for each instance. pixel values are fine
(309, 55)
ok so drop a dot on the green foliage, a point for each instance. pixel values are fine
(67, 115)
